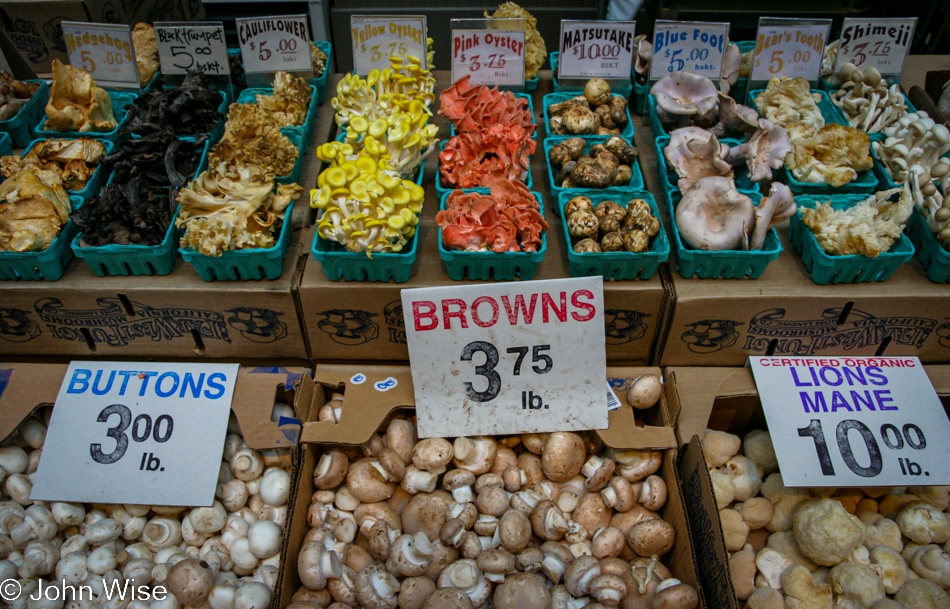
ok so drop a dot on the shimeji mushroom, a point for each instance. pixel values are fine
(870, 105)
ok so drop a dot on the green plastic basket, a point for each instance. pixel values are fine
(623, 90)
(618, 266)
(6, 144)
(249, 96)
(865, 183)
(556, 98)
(441, 190)
(935, 259)
(825, 269)
(640, 94)
(487, 266)
(22, 127)
(729, 264)
(98, 177)
(357, 266)
(47, 265)
(247, 264)
(119, 102)
(321, 81)
(636, 178)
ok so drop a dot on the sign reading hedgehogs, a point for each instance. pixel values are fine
(508, 358)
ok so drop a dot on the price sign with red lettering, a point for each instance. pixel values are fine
(789, 47)
(854, 421)
(272, 44)
(875, 43)
(508, 358)
(105, 51)
(489, 51)
(376, 38)
(596, 49)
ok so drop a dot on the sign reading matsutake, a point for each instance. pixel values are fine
(854, 421)
(507, 358)
(596, 49)
(137, 433)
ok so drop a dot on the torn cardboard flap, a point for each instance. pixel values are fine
(370, 407)
(692, 392)
(23, 387)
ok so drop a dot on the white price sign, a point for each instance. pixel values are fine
(137, 433)
(789, 47)
(192, 46)
(377, 38)
(854, 421)
(694, 46)
(489, 57)
(875, 43)
(596, 49)
(271, 44)
(508, 358)
(104, 50)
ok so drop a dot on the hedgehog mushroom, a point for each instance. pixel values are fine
(714, 216)
(779, 205)
(684, 94)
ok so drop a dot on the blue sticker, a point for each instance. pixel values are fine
(4, 379)
(358, 379)
(386, 385)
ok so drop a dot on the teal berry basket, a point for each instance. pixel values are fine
(729, 264)
(320, 82)
(640, 94)
(619, 266)
(556, 98)
(22, 126)
(125, 260)
(487, 266)
(534, 117)
(47, 265)
(825, 269)
(249, 96)
(934, 258)
(6, 144)
(294, 174)
(623, 90)
(358, 266)
(98, 177)
(668, 177)
(246, 264)
(636, 178)
(119, 103)
(442, 189)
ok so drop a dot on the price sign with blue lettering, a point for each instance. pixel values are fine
(789, 47)
(137, 433)
(508, 358)
(875, 43)
(854, 421)
(596, 49)
(192, 46)
(694, 46)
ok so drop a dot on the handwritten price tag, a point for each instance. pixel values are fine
(271, 44)
(596, 49)
(104, 50)
(145, 433)
(694, 46)
(508, 358)
(377, 38)
(192, 46)
(787, 47)
(854, 421)
(490, 57)
(876, 43)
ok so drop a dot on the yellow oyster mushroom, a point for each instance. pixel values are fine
(336, 177)
(397, 222)
(358, 124)
(350, 170)
(366, 164)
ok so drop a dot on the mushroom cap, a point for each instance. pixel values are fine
(766, 150)
(563, 456)
(777, 206)
(448, 598)
(426, 512)
(677, 596)
(366, 483)
(685, 93)
(714, 216)
(431, 454)
(649, 537)
(376, 588)
(731, 66)
(695, 153)
(414, 592)
(496, 560)
(522, 591)
(645, 392)
(190, 580)
(736, 117)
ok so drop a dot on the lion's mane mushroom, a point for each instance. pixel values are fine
(714, 216)
(802, 591)
(855, 583)
(683, 95)
(719, 446)
(825, 532)
(923, 523)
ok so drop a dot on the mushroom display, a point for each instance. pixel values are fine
(76, 103)
(597, 112)
(225, 556)
(319, 60)
(735, 63)
(611, 226)
(867, 101)
(868, 228)
(14, 94)
(253, 137)
(188, 109)
(516, 522)
(74, 161)
(33, 209)
(853, 547)
(508, 219)
(535, 51)
(604, 165)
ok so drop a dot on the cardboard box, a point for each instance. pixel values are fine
(724, 399)
(25, 387)
(720, 322)
(172, 316)
(363, 321)
(34, 25)
(366, 411)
